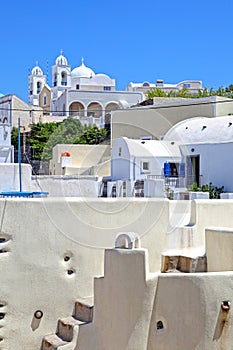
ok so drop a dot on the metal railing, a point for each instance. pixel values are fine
(178, 181)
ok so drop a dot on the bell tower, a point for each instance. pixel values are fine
(61, 77)
(36, 82)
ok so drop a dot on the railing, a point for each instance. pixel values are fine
(64, 83)
(178, 181)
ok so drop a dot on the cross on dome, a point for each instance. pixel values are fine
(82, 71)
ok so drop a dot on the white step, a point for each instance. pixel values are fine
(66, 326)
(52, 342)
(84, 309)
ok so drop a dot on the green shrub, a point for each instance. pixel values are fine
(214, 191)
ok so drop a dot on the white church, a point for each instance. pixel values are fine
(79, 92)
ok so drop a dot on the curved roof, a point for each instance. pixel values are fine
(83, 71)
(37, 70)
(103, 79)
(152, 148)
(202, 130)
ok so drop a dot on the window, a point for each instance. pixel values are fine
(38, 86)
(77, 87)
(187, 86)
(55, 79)
(145, 167)
(63, 79)
(159, 83)
(45, 99)
(107, 88)
(174, 169)
(119, 151)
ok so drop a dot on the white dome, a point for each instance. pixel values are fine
(83, 71)
(37, 71)
(202, 130)
(61, 61)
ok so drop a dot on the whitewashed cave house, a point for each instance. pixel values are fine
(197, 150)
(206, 146)
(137, 166)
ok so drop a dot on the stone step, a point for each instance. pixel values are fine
(65, 328)
(84, 309)
(52, 342)
(179, 263)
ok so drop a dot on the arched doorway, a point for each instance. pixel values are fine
(76, 109)
(94, 110)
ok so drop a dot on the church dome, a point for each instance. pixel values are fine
(82, 71)
(61, 60)
(37, 70)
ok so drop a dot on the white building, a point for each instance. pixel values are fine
(79, 92)
(192, 85)
(6, 149)
(136, 159)
(196, 150)
(156, 120)
(206, 145)
(6, 124)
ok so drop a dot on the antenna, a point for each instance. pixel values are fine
(47, 70)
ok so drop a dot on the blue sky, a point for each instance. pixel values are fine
(128, 40)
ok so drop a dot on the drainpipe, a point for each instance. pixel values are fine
(134, 165)
(19, 157)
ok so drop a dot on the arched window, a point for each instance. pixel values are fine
(63, 78)
(45, 99)
(38, 87)
(55, 79)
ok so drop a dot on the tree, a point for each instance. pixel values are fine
(92, 136)
(45, 136)
(155, 93)
(40, 134)
(66, 132)
(185, 93)
(14, 137)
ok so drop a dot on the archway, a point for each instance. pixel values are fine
(76, 109)
(63, 79)
(94, 110)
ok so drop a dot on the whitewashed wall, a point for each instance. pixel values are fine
(216, 163)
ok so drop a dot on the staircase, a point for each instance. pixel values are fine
(67, 328)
